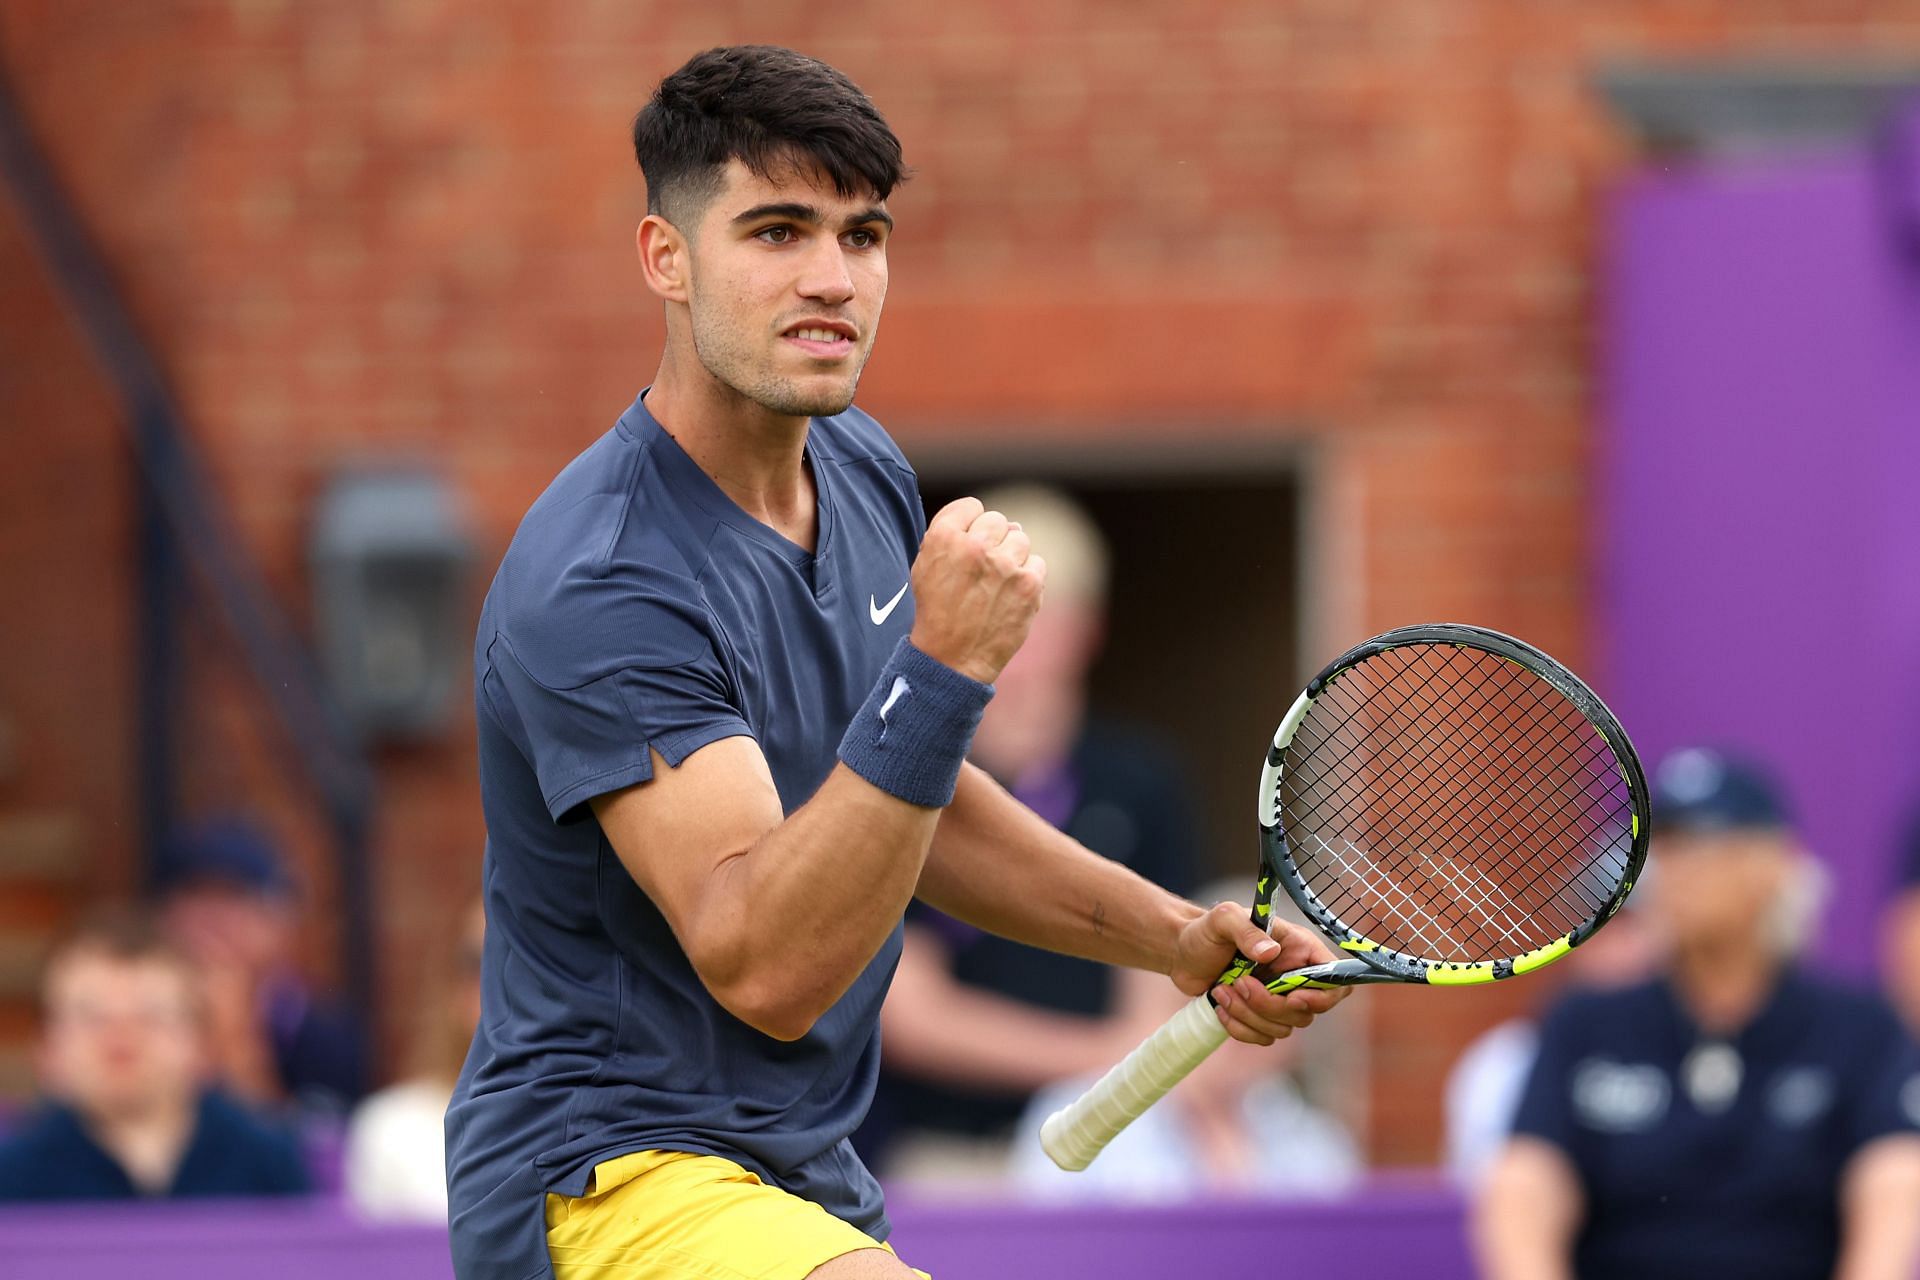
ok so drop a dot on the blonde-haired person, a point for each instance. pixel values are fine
(1732, 1117)
(395, 1161)
(974, 1024)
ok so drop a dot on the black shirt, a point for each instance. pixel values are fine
(53, 1157)
(1717, 1157)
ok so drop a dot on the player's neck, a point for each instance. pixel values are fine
(1723, 988)
(756, 456)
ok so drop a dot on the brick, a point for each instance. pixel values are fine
(1365, 233)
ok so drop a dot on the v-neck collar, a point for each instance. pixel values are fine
(691, 481)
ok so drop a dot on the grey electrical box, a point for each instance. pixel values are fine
(390, 564)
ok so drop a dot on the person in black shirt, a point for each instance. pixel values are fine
(122, 1054)
(1732, 1117)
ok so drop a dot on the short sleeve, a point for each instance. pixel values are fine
(1546, 1108)
(594, 738)
(1884, 1098)
(616, 668)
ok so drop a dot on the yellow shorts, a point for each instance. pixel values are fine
(672, 1215)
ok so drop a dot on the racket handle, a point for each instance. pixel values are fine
(1078, 1132)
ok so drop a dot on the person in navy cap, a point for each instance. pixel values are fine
(228, 901)
(1734, 1116)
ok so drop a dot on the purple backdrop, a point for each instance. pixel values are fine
(1761, 545)
(1404, 1230)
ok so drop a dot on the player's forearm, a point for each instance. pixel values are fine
(796, 917)
(997, 865)
(1880, 1233)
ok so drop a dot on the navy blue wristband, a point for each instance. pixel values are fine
(913, 732)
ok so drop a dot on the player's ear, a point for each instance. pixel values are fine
(663, 257)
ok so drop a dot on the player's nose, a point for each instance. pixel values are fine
(826, 278)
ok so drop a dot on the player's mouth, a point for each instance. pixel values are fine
(822, 339)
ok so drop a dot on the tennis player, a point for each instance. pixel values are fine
(726, 678)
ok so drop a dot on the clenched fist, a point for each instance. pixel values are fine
(976, 587)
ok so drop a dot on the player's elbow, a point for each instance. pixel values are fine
(770, 1006)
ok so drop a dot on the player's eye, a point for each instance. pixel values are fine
(863, 238)
(775, 235)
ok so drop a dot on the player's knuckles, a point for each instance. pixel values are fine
(990, 526)
(938, 546)
(956, 515)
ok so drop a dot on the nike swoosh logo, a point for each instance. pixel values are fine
(880, 612)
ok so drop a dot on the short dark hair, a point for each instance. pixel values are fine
(122, 933)
(764, 106)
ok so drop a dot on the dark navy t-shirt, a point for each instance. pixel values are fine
(1705, 1157)
(53, 1157)
(639, 607)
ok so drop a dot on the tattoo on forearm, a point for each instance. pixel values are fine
(1100, 919)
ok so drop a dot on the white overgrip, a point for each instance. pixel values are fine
(1077, 1133)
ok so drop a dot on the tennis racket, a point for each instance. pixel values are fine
(1449, 806)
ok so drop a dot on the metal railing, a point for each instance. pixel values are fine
(187, 547)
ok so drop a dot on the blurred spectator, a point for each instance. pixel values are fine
(1239, 1124)
(974, 1023)
(396, 1161)
(121, 1060)
(1732, 1117)
(1900, 933)
(227, 899)
(1484, 1087)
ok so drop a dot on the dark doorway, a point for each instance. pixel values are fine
(1203, 621)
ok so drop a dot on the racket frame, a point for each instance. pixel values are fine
(1077, 1133)
(1368, 960)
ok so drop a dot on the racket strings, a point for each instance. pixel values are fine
(1453, 805)
(1379, 887)
(1492, 815)
(1556, 779)
(1496, 813)
(1495, 819)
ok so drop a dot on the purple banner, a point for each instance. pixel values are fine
(1760, 583)
(1391, 1231)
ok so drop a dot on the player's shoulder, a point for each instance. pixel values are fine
(603, 572)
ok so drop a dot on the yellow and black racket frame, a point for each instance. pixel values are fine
(1366, 960)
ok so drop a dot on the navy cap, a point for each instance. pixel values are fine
(228, 852)
(1698, 789)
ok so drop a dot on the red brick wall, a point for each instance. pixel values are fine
(360, 229)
